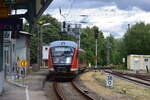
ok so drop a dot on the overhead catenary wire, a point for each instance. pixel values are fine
(67, 13)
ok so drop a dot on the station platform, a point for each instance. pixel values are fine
(31, 88)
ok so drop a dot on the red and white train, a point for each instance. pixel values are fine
(64, 57)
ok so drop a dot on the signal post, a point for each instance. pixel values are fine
(96, 32)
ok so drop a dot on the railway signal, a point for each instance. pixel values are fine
(63, 27)
(96, 32)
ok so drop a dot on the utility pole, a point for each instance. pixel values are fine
(96, 53)
(40, 42)
(128, 26)
(41, 45)
(96, 38)
(39, 53)
(78, 32)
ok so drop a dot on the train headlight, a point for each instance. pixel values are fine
(68, 60)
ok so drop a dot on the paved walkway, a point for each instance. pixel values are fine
(13, 92)
(35, 92)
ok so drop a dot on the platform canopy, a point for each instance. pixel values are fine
(34, 8)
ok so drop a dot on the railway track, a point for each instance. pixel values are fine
(70, 91)
(138, 78)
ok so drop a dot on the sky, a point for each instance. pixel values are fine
(111, 16)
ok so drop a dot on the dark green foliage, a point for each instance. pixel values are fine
(114, 50)
(33, 48)
(137, 40)
(50, 33)
(88, 44)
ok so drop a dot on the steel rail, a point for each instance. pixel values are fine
(82, 92)
(58, 92)
(123, 76)
(142, 77)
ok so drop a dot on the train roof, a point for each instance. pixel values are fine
(63, 43)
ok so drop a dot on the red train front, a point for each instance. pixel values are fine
(63, 56)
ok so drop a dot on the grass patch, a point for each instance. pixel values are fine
(101, 82)
(134, 91)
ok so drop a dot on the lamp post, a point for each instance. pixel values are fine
(40, 42)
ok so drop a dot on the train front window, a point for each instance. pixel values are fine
(62, 55)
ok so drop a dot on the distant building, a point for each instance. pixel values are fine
(45, 56)
(138, 62)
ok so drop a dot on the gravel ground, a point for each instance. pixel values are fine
(70, 92)
(132, 90)
(49, 91)
(85, 88)
(121, 90)
(104, 92)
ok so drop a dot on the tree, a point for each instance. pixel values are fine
(137, 39)
(50, 33)
(88, 44)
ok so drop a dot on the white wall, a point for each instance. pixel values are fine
(45, 52)
(21, 48)
(137, 62)
(21, 53)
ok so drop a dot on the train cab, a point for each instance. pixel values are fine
(63, 56)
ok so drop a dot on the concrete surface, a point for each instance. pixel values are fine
(35, 90)
(1, 81)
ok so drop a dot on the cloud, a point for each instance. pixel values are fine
(65, 4)
(129, 4)
(87, 4)
(110, 19)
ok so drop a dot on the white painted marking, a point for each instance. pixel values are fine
(27, 93)
(21, 85)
